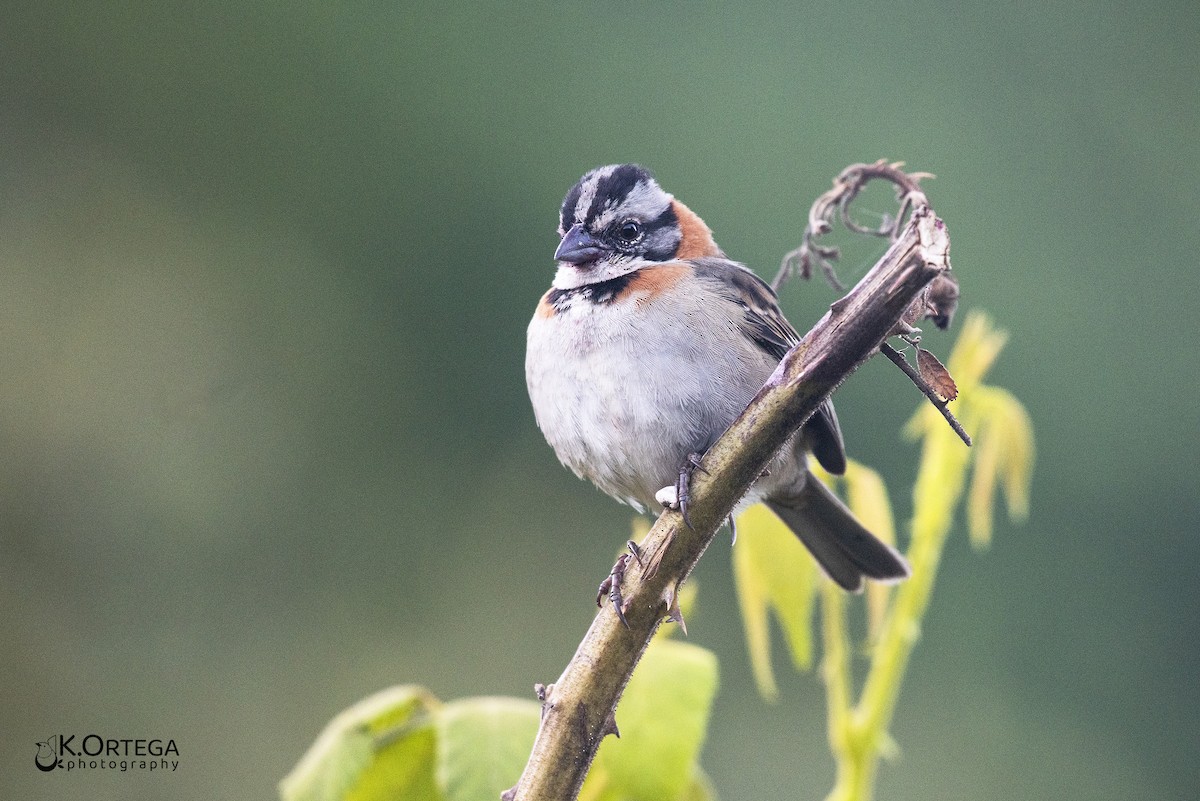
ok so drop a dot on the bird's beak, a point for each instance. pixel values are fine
(578, 247)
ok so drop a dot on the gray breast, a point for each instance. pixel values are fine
(623, 392)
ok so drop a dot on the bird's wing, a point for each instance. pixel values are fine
(763, 323)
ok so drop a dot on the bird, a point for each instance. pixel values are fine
(650, 342)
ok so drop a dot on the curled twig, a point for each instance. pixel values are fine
(837, 200)
(937, 302)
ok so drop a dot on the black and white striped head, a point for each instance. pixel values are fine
(617, 219)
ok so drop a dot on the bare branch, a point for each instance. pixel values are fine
(898, 359)
(578, 707)
(937, 302)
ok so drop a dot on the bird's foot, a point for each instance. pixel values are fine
(611, 586)
(677, 496)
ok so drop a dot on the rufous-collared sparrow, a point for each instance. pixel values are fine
(648, 345)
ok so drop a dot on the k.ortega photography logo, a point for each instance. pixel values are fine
(93, 752)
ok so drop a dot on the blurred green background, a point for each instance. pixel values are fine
(265, 271)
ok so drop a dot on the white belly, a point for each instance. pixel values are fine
(623, 398)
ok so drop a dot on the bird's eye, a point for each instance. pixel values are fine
(629, 231)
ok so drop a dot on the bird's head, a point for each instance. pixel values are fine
(617, 219)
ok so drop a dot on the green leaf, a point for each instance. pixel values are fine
(663, 717)
(482, 745)
(773, 571)
(403, 771)
(380, 748)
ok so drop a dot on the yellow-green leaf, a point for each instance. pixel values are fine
(380, 748)
(867, 497)
(1004, 455)
(975, 351)
(482, 746)
(663, 717)
(596, 787)
(698, 789)
(773, 571)
(1001, 457)
(1016, 472)
(599, 788)
(982, 493)
(403, 770)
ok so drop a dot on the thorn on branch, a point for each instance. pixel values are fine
(610, 726)
(542, 692)
(674, 613)
(637, 553)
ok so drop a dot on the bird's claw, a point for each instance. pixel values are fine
(611, 586)
(677, 497)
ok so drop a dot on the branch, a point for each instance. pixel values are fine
(578, 709)
(938, 302)
(838, 199)
(938, 403)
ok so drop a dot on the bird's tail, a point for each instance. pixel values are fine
(840, 544)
